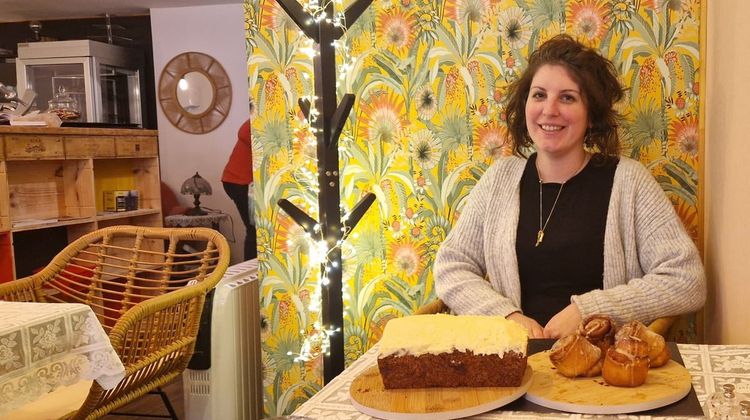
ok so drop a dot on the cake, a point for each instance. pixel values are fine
(424, 351)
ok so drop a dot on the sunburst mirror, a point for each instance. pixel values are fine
(195, 92)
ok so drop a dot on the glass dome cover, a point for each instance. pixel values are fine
(64, 106)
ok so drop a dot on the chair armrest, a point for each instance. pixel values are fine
(21, 290)
(662, 325)
(158, 326)
(437, 306)
(659, 325)
(154, 340)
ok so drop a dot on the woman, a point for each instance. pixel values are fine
(236, 179)
(574, 229)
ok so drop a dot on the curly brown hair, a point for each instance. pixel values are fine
(596, 77)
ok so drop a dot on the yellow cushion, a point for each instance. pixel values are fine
(53, 405)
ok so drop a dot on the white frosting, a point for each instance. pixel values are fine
(442, 333)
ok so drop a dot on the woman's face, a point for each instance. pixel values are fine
(556, 115)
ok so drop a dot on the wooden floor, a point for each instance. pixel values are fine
(152, 404)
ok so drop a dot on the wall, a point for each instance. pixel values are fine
(218, 31)
(430, 82)
(727, 194)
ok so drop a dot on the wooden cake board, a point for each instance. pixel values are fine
(369, 396)
(664, 385)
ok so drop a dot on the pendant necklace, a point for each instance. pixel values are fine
(543, 226)
(540, 234)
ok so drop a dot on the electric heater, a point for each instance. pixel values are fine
(223, 380)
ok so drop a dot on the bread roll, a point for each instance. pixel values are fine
(658, 351)
(574, 355)
(599, 330)
(626, 363)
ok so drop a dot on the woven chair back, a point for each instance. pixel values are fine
(113, 269)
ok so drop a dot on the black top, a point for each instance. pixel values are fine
(570, 259)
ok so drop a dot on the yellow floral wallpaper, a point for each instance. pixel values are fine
(430, 80)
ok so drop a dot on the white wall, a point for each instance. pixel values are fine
(218, 31)
(727, 176)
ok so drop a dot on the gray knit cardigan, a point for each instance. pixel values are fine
(651, 266)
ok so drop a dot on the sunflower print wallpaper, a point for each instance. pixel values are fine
(430, 79)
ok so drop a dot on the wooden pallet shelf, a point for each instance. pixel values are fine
(55, 178)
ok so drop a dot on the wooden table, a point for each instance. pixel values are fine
(44, 346)
(710, 367)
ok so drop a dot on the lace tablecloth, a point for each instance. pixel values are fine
(47, 345)
(710, 366)
(210, 220)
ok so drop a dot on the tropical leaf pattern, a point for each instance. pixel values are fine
(430, 79)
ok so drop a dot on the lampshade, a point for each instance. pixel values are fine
(196, 186)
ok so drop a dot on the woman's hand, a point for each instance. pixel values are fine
(535, 330)
(564, 322)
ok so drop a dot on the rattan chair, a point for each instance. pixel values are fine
(437, 306)
(148, 293)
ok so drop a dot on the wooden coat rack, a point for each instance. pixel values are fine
(328, 124)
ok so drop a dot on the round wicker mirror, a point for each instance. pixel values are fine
(195, 93)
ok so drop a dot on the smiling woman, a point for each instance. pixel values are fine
(564, 232)
(195, 92)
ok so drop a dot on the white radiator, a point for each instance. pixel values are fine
(231, 388)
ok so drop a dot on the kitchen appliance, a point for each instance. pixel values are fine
(105, 80)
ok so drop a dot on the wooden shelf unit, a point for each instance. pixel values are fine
(55, 178)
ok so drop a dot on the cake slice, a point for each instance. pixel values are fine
(424, 351)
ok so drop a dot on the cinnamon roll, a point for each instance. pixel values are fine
(574, 355)
(599, 330)
(626, 363)
(658, 351)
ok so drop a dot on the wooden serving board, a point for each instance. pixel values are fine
(369, 396)
(664, 385)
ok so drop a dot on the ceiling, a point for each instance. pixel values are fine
(26, 10)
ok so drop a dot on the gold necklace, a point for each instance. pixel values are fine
(540, 233)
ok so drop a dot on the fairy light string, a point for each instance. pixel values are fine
(317, 341)
(322, 25)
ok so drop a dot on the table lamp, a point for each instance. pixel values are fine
(196, 186)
